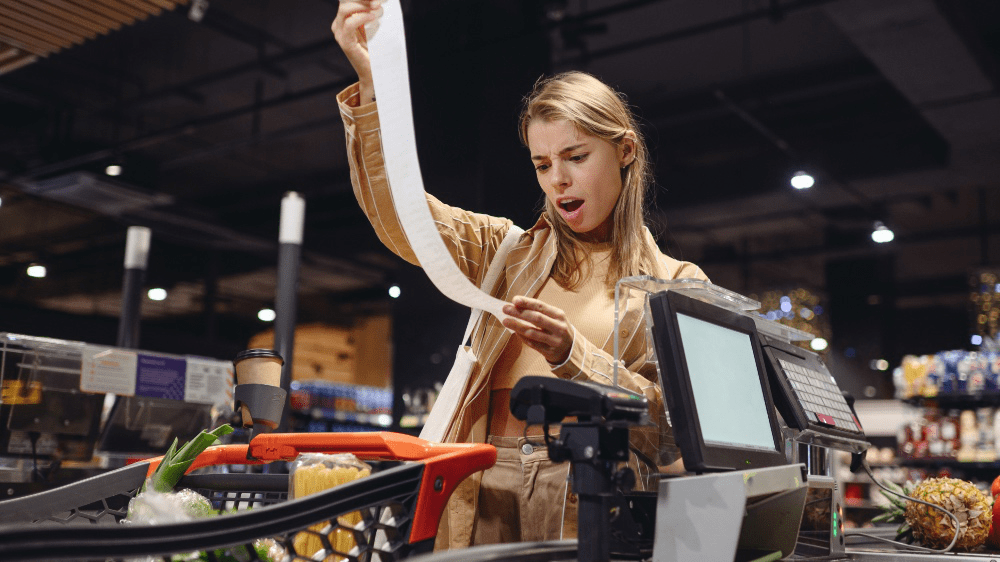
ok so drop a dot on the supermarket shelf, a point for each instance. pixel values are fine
(949, 463)
(413, 421)
(322, 406)
(339, 416)
(958, 399)
(865, 480)
(374, 419)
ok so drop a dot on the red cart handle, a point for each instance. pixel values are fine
(366, 445)
(446, 464)
(270, 447)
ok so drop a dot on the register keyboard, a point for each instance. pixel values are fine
(806, 394)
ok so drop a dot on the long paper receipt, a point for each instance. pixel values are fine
(387, 49)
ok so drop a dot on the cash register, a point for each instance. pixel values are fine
(739, 405)
(743, 500)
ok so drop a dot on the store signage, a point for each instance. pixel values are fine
(129, 373)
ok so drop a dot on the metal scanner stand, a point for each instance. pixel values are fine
(594, 445)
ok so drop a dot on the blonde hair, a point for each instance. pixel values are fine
(596, 109)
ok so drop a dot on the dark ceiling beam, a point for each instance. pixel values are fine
(33, 100)
(962, 17)
(755, 124)
(95, 233)
(824, 89)
(232, 72)
(695, 30)
(91, 282)
(812, 86)
(187, 128)
(863, 201)
(181, 227)
(186, 229)
(186, 88)
(615, 9)
(234, 28)
(337, 198)
(863, 247)
(926, 60)
(222, 149)
(834, 214)
(179, 245)
(811, 214)
(255, 37)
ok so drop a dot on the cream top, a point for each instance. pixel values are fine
(590, 308)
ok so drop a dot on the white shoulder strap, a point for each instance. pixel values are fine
(493, 273)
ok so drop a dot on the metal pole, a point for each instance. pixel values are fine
(136, 259)
(592, 483)
(293, 208)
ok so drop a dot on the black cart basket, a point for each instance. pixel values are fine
(389, 515)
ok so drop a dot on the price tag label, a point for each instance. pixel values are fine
(108, 370)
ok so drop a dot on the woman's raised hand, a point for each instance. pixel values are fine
(541, 327)
(349, 31)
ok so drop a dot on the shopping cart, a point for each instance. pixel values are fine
(399, 507)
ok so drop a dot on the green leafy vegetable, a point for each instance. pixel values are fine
(232, 554)
(176, 461)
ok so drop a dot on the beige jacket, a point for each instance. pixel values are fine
(473, 239)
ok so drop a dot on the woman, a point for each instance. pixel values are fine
(593, 167)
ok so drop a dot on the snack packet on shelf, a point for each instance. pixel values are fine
(315, 472)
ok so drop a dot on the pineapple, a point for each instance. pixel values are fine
(933, 528)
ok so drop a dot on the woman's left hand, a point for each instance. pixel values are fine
(541, 327)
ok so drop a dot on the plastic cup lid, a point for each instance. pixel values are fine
(257, 353)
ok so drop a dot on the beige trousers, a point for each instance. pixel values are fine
(524, 496)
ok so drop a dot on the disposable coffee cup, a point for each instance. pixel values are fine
(257, 366)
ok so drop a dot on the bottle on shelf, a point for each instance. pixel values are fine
(986, 448)
(968, 436)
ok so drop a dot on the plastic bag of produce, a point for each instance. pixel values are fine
(157, 502)
(159, 508)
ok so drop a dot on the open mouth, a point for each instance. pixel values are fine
(570, 205)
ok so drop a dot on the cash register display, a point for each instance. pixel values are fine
(715, 385)
(727, 391)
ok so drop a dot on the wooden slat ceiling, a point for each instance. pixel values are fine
(31, 29)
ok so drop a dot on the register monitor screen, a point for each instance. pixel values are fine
(715, 385)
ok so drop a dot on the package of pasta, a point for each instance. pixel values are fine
(314, 472)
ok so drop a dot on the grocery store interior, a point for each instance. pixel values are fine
(834, 160)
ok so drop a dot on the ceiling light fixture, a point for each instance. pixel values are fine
(197, 11)
(882, 234)
(113, 170)
(157, 294)
(818, 344)
(878, 365)
(802, 180)
(394, 291)
(36, 271)
(266, 315)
